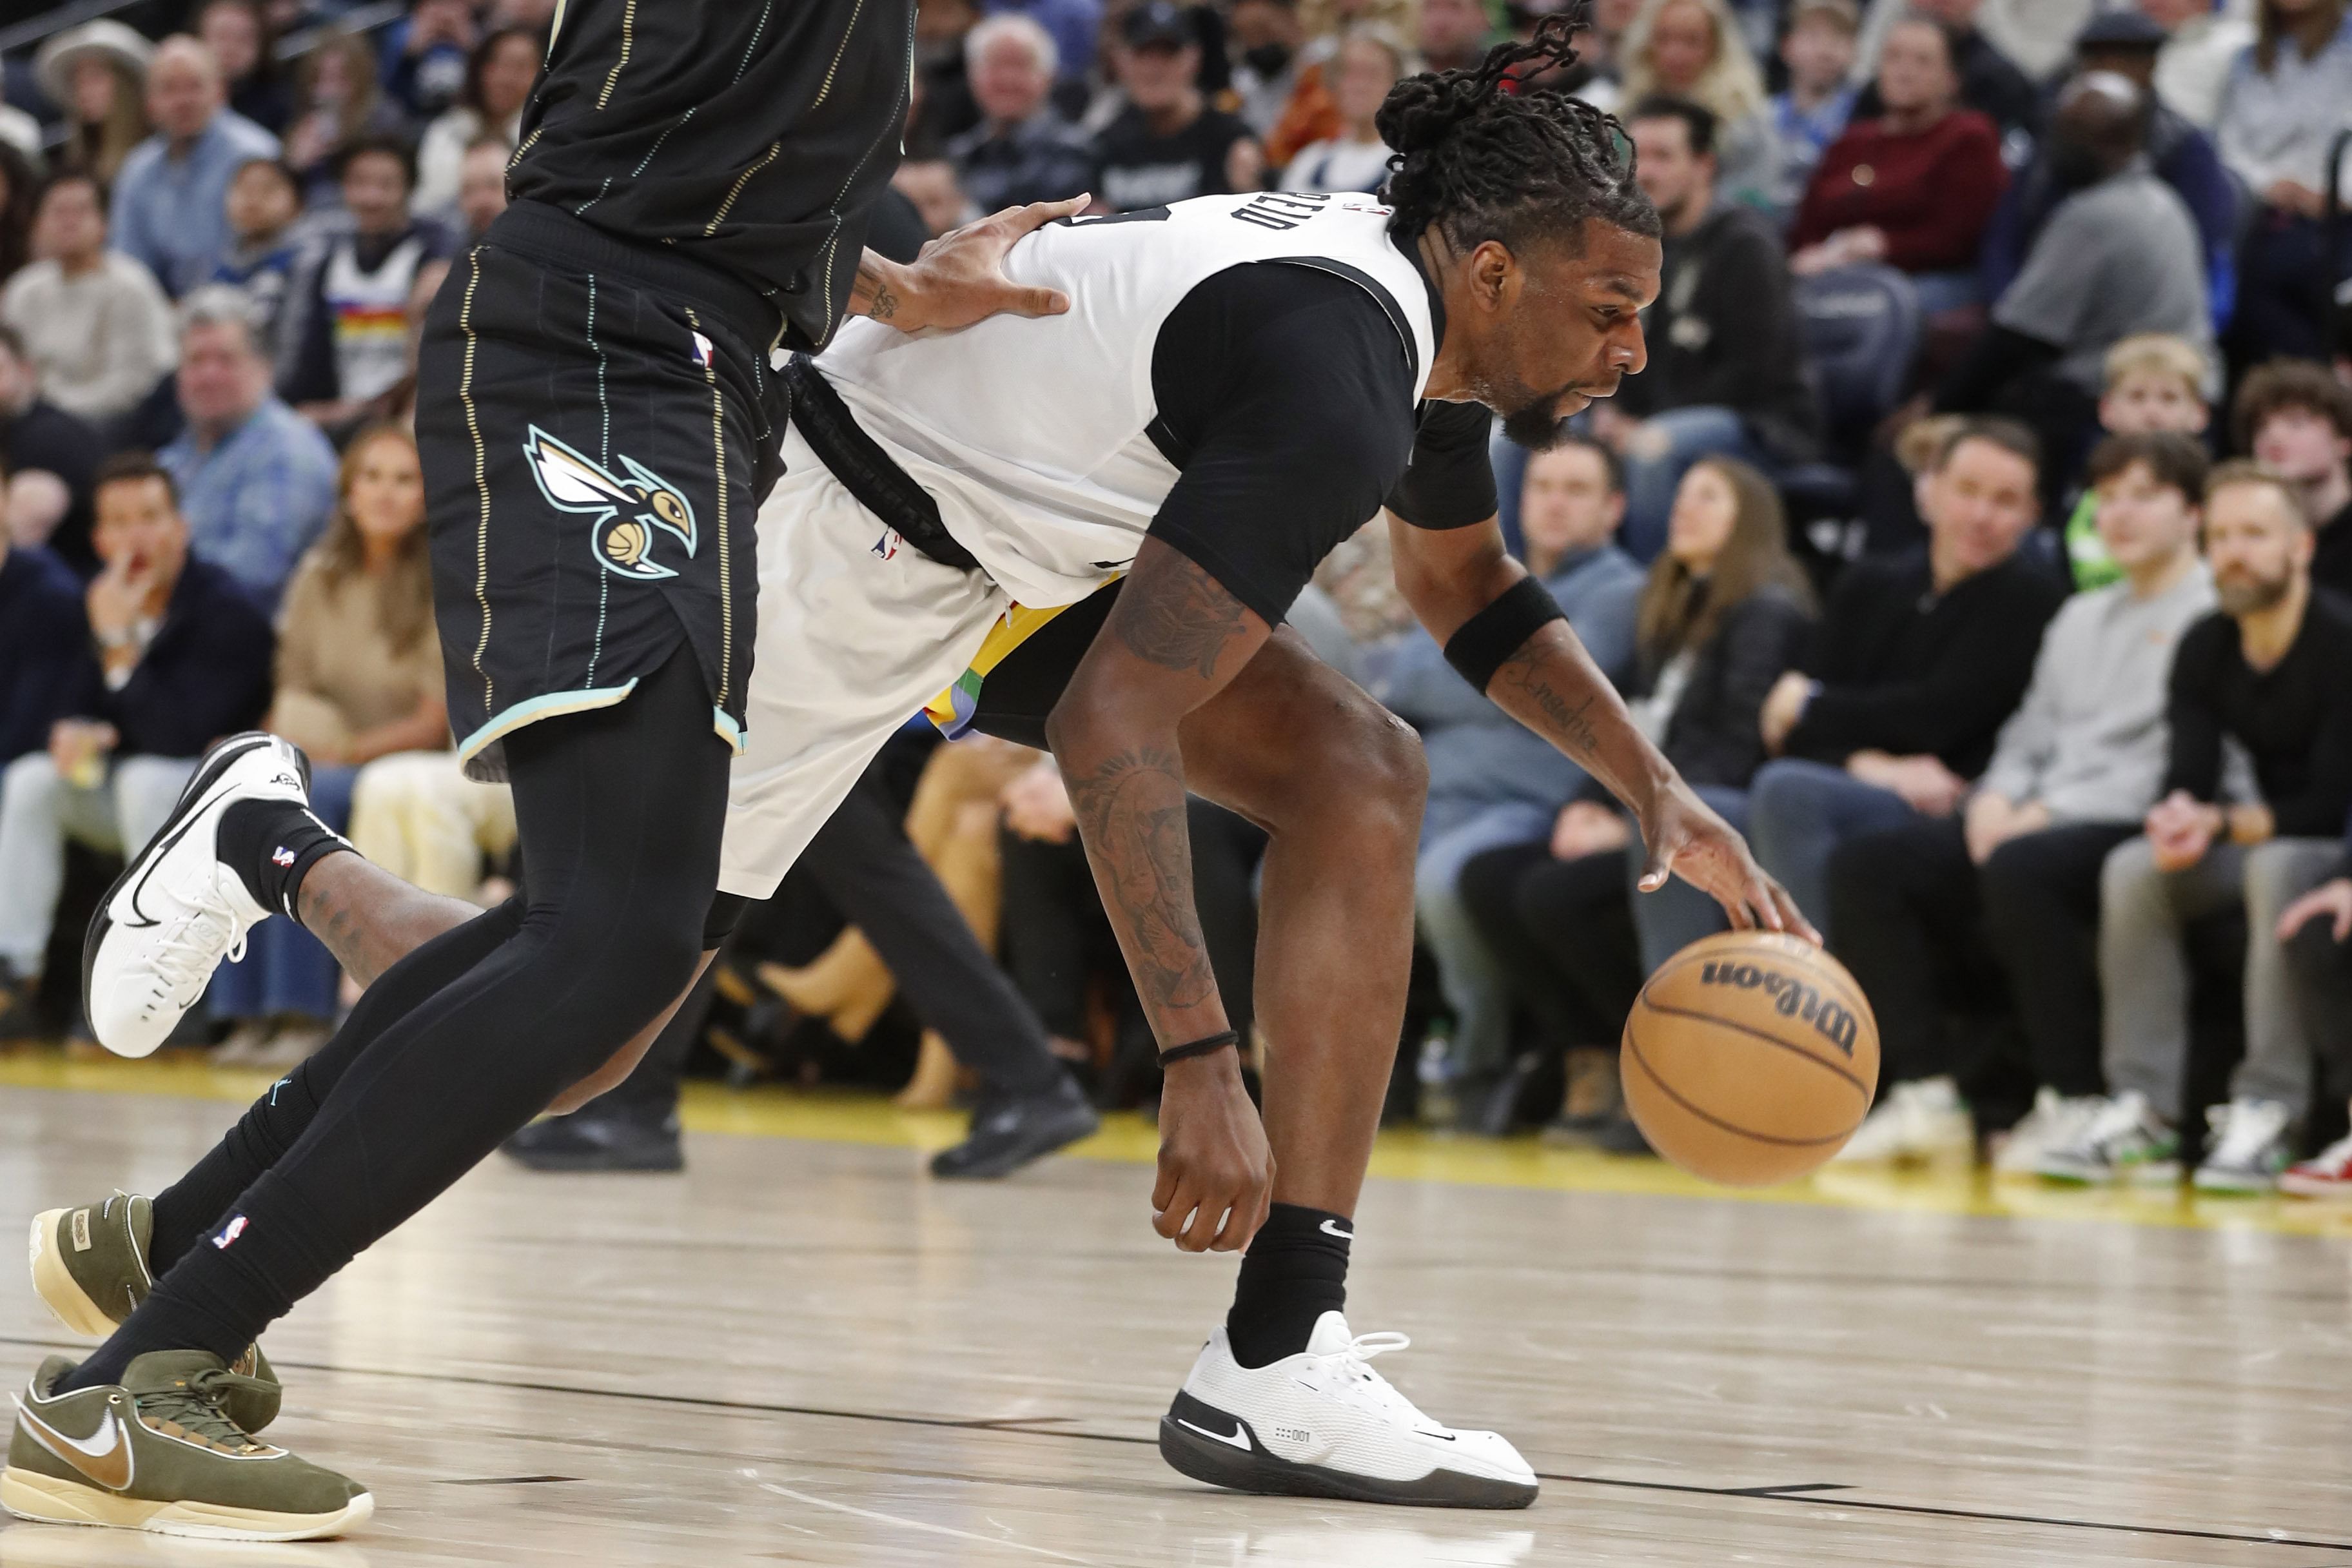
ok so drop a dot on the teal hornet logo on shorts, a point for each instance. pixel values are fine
(628, 511)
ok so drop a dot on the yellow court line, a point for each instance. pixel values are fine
(829, 1117)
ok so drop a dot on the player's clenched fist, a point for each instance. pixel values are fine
(1216, 1174)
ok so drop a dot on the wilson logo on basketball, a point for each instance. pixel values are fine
(1792, 998)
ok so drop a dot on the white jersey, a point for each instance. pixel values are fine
(1035, 435)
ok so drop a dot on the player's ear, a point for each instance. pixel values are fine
(1493, 270)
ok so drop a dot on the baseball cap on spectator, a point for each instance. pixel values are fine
(1157, 22)
(2131, 29)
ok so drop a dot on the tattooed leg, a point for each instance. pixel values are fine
(370, 919)
(1338, 784)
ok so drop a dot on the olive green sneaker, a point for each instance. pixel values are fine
(89, 1264)
(158, 1452)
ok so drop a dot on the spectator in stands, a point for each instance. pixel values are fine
(2282, 109)
(257, 481)
(359, 678)
(930, 185)
(337, 107)
(2271, 671)
(2125, 44)
(1988, 80)
(2011, 886)
(2316, 929)
(240, 37)
(177, 658)
(2119, 256)
(424, 56)
(1914, 187)
(1723, 613)
(38, 438)
(1693, 50)
(20, 189)
(1073, 25)
(499, 80)
(96, 74)
(1917, 661)
(1726, 369)
(1022, 150)
(2202, 42)
(264, 201)
(1819, 54)
(1266, 36)
(171, 202)
(1169, 145)
(1368, 64)
(97, 328)
(346, 319)
(2296, 419)
(2150, 382)
(1491, 782)
(1454, 34)
(481, 190)
(42, 636)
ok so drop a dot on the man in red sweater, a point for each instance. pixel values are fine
(1915, 188)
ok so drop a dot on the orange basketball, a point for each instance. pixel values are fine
(1751, 1059)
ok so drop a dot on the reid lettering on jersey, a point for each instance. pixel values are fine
(1279, 210)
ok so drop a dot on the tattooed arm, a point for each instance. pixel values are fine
(1552, 686)
(960, 276)
(1175, 638)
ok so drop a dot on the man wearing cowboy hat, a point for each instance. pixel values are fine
(170, 201)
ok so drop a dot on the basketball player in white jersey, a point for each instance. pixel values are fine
(1241, 383)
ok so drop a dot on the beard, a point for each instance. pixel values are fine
(2249, 595)
(1537, 426)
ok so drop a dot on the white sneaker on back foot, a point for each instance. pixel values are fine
(1324, 1424)
(2246, 1146)
(177, 911)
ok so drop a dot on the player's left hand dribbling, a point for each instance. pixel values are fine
(1216, 1173)
(1687, 839)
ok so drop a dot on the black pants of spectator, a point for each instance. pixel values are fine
(2041, 900)
(2287, 289)
(1563, 933)
(1918, 919)
(863, 863)
(1056, 938)
(2321, 967)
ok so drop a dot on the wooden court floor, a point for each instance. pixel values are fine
(803, 1352)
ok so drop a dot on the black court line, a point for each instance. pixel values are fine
(1803, 1492)
(506, 1480)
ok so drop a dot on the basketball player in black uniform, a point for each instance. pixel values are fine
(1511, 274)
(596, 402)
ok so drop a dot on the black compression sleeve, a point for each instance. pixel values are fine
(1450, 483)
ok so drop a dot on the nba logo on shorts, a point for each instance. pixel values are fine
(702, 351)
(229, 1233)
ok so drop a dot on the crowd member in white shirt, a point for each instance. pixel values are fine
(1369, 60)
(94, 321)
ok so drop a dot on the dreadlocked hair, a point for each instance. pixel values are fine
(1480, 155)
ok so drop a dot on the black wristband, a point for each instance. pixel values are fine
(1200, 1047)
(1487, 640)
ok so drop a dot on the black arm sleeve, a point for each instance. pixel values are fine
(1450, 483)
(1286, 397)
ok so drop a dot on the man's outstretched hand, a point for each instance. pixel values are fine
(959, 278)
(1686, 838)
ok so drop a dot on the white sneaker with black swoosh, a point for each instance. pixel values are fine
(1324, 1424)
(177, 911)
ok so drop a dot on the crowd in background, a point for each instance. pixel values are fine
(1979, 537)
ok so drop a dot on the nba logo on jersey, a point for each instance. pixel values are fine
(886, 547)
(702, 351)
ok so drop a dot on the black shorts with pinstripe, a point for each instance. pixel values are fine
(594, 418)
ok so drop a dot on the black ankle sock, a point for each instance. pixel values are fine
(1294, 1271)
(272, 845)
